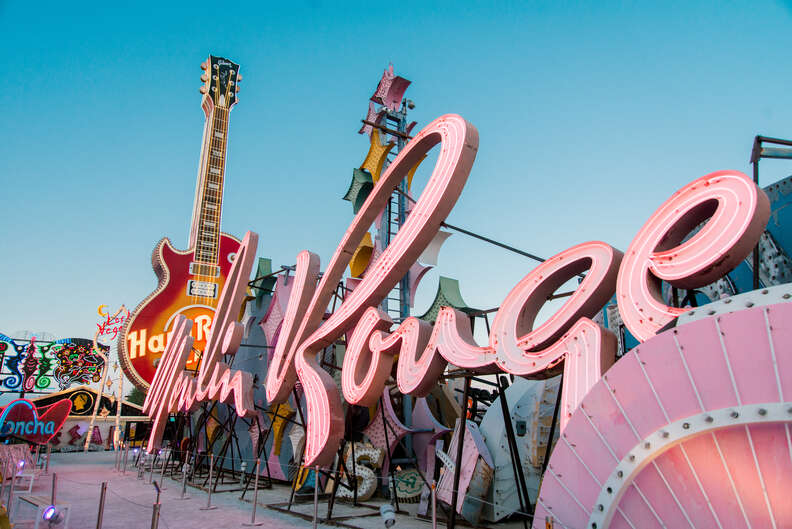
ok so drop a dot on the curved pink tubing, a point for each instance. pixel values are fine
(656, 252)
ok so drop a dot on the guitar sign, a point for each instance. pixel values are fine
(189, 281)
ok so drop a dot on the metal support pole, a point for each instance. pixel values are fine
(126, 456)
(434, 504)
(184, 481)
(153, 464)
(49, 452)
(209, 505)
(117, 460)
(458, 463)
(316, 495)
(253, 521)
(162, 471)
(101, 506)
(155, 514)
(395, 498)
(354, 476)
(522, 488)
(553, 426)
(105, 372)
(756, 248)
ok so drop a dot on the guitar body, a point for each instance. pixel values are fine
(185, 287)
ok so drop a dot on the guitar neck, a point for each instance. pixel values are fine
(207, 212)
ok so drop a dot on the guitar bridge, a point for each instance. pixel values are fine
(201, 289)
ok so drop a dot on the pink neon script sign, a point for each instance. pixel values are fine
(302, 339)
(737, 211)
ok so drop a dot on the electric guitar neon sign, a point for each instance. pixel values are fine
(736, 211)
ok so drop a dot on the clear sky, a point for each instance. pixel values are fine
(589, 117)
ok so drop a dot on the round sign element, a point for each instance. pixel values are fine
(408, 485)
(82, 402)
(690, 429)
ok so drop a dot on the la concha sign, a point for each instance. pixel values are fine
(734, 208)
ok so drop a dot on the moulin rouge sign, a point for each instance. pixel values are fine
(569, 341)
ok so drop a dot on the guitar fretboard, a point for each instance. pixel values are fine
(207, 237)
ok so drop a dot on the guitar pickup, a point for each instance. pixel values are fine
(201, 289)
(203, 269)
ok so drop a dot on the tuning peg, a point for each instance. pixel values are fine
(204, 66)
(239, 77)
(204, 78)
(237, 88)
(202, 89)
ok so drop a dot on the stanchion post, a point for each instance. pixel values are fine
(253, 521)
(155, 516)
(49, 452)
(209, 505)
(162, 471)
(101, 506)
(184, 481)
(126, 456)
(153, 464)
(54, 493)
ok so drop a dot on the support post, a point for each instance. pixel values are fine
(119, 403)
(153, 465)
(458, 463)
(522, 488)
(155, 514)
(162, 471)
(126, 456)
(354, 475)
(756, 248)
(102, 496)
(316, 495)
(184, 479)
(434, 504)
(553, 426)
(49, 452)
(105, 371)
(209, 505)
(302, 454)
(253, 521)
(395, 498)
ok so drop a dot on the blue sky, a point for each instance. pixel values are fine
(589, 117)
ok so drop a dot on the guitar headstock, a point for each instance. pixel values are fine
(221, 81)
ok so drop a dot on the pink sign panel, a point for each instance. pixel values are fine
(689, 429)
